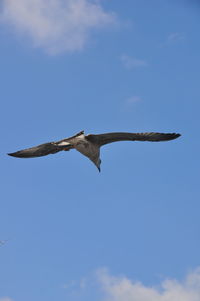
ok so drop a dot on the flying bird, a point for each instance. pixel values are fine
(89, 145)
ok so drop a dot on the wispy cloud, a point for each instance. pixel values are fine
(105, 286)
(76, 285)
(5, 299)
(2, 242)
(130, 103)
(130, 62)
(175, 36)
(56, 25)
(133, 99)
(122, 288)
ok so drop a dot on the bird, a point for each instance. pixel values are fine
(89, 145)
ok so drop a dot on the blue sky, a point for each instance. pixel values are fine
(131, 232)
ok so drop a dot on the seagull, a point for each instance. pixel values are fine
(89, 145)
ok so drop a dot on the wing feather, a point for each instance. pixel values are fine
(42, 150)
(103, 139)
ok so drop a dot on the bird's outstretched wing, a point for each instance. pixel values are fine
(47, 148)
(102, 139)
(43, 149)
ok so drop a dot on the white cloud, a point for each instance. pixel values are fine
(175, 36)
(123, 289)
(5, 299)
(83, 283)
(56, 25)
(75, 285)
(68, 285)
(133, 99)
(131, 62)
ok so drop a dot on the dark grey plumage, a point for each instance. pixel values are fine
(39, 150)
(89, 145)
(102, 139)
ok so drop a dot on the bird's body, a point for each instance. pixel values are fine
(85, 147)
(89, 145)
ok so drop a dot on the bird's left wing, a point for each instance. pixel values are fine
(103, 139)
(43, 149)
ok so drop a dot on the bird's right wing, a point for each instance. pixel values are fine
(102, 139)
(43, 149)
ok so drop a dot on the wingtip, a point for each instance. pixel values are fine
(10, 154)
(16, 154)
(172, 136)
(176, 135)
